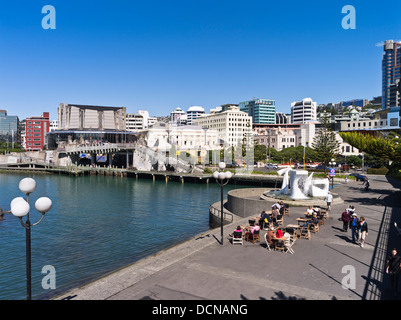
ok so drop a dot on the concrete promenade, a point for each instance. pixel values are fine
(201, 268)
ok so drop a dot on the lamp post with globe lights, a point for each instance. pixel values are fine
(222, 178)
(20, 208)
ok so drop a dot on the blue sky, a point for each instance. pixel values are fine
(159, 55)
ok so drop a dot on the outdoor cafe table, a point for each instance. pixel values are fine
(295, 227)
(282, 239)
(302, 221)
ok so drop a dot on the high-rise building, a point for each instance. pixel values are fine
(303, 111)
(193, 113)
(391, 65)
(262, 111)
(176, 115)
(9, 127)
(36, 129)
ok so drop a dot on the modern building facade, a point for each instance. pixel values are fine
(261, 110)
(193, 113)
(232, 125)
(87, 117)
(140, 121)
(391, 68)
(36, 129)
(175, 116)
(282, 118)
(9, 128)
(303, 111)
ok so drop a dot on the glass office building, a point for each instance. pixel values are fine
(9, 127)
(391, 70)
(262, 111)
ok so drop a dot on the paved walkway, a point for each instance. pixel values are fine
(203, 269)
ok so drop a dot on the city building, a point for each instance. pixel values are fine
(140, 121)
(36, 129)
(9, 128)
(89, 125)
(395, 90)
(53, 125)
(391, 65)
(277, 138)
(176, 115)
(232, 125)
(282, 118)
(303, 111)
(184, 138)
(261, 110)
(87, 117)
(193, 113)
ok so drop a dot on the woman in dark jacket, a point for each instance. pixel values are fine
(345, 217)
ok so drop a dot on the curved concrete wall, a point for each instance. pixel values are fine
(246, 202)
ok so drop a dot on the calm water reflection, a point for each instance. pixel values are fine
(97, 224)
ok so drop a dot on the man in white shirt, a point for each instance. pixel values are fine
(329, 199)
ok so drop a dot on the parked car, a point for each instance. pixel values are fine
(272, 166)
(359, 177)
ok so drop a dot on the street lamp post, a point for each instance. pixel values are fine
(20, 208)
(222, 178)
(332, 164)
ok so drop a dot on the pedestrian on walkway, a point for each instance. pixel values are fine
(345, 218)
(363, 231)
(354, 226)
(329, 199)
(393, 269)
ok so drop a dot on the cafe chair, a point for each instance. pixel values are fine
(314, 227)
(237, 238)
(267, 243)
(265, 225)
(280, 220)
(253, 237)
(280, 246)
(288, 245)
(251, 223)
(305, 233)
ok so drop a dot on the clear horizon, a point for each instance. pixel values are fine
(159, 56)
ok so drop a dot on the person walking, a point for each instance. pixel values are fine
(329, 199)
(354, 226)
(345, 218)
(363, 231)
(393, 269)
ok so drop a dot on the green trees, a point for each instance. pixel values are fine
(325, 143)
(388, 149)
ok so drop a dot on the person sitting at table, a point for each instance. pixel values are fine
(270, 236)
(251, 231)
(264, 218)
(279, 233)
(313, 220)
(275, 212)
(282, 207)
(309, 212)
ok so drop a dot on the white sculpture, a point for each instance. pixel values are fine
(301, 186)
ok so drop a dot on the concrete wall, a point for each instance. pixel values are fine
(246, 202)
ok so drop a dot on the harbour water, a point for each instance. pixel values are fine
(97, 224)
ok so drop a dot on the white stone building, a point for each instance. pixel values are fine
(232, 125)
